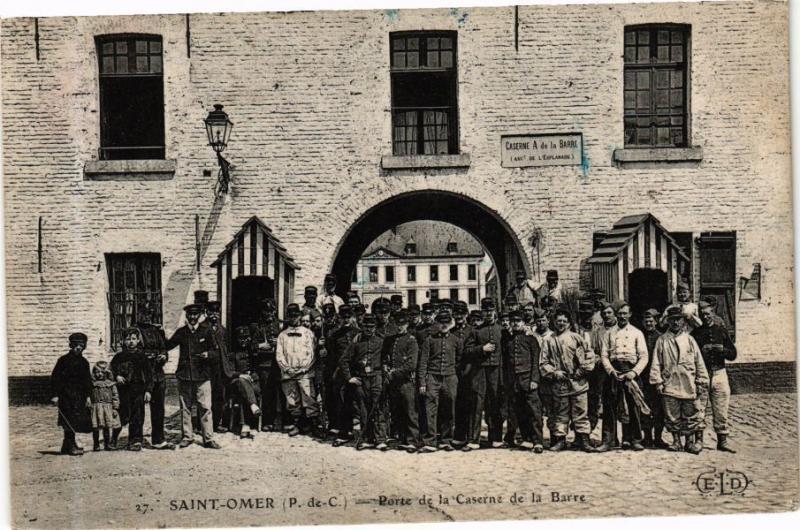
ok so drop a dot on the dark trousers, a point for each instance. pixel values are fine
(403, 396)
(332, 398)
(613, 391)
(370, 409)
(244, 394)
(464, 397)
(158, 398)
(526, 408)
(486, 388)
(348, 409)
(597, 379)
(272, 398)
(136, 425)
(218, 384)
(549, 406)
(440, 407)
(653, 425)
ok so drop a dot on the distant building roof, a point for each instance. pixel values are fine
(431, 239)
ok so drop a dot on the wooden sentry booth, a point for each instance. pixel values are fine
(253, 266)
(638, 261)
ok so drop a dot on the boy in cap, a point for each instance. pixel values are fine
(194, 384)
(679, 375)
(401, 353)
(716, 347)
(362, 368)
(440, 354)
(329, 296)
(566, 361)
(521, 364)
(295, 355)
(71, 383)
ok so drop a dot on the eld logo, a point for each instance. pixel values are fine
(727, 482)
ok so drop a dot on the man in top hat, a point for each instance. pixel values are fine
(154, 344)
(716, 347)
(624, 358)
(194, 384)
(683, 300)
(401, 354)
(653, 425)
(523, 288)
(329, 295)
(438, 383)
(264, 337)
(521, 381)
(362, 367)
(484, 350)
(310, 297)
(680, 377)
(295, 355)
(71, 384)
(220, 367)
(550, 288)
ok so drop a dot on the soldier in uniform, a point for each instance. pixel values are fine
(475, 318)
(362, 368)
(360, 311)
(352, 299)
(401, 354)
(330, 296)
(462, 330)
(427, 316)
(71, 383)
(653, 424)
(510, 303)
(154, 342)
(414, 317)
(396, 301)
(310, 297)
(220, 368)
(484, 350)
(264, 335)
(521, 363)
(340, 416)
(551, 288)
(243, 385)
(194, 385)
(441, 353)
(382, 310)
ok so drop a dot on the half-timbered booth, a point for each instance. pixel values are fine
(253, 266)
(638, 261)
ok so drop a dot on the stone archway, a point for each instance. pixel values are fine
(483, 223)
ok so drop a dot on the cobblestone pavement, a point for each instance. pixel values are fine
(340, 485)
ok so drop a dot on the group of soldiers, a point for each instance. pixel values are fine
(426, 378)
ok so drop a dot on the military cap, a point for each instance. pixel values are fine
(381, 305)
(242, 332)
(539, 313)
(503, 314)
(79, 337)
(360, 309)
(330, 277)
(605, 304)
(619, 304)
(652, 313)
(682, 285)
(552, 274)
(213, 306)
(674, 312)
(293, 310)
(310, 289)
(443, 317)
(710, 300)
(460, 307)
(446, 305)
(401, 317)
(396, 299)
(193, 308)
(475, 314)
(487, 303)
(516, 315)
(427, 308)
(200, 297)
(328, 310)
(345, 311)
(585, 307)
(702, 304)
(370, 320)
(414, 309)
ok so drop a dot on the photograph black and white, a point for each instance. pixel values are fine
(399, 265)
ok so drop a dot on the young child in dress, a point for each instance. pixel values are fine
(105, 405)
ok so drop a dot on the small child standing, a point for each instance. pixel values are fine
(105, 405)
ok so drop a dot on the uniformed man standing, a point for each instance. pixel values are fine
(521, 365)
(194, 384)
(402, 354)
(154, 342)
(550, 288)
(462, 330)
(523, 289)
(264, 335)
(484, 350)
(310, 297)
(330, 296)
(438, 383)
(221, 369)
(340, 417)
(362, 367)
(653, 424)
(382, 310)
(541, 332)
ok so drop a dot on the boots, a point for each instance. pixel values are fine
(676, 442)
(584, 444)
(697, 444)
(96, 440)
(559, 445)
(723, 445)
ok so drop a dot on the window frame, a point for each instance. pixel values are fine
(472, 272)
(453, 125)
(454, 277)
(453, 291)
(373, 269)
(388, 272)
(131, 306)
(472, 296)
(434, 271)
(104, 151)
(653, 67)
(411, 273)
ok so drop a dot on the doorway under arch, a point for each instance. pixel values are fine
(483, 223)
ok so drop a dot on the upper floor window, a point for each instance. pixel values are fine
(131, 97)
(656, 85)
(389, 274)
(472, 272)
(453, 273)
(411, 248)
(434, 273)
(373, 274)
(452, 247)
(411, 273)
(424, 93)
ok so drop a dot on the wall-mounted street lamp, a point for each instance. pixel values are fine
(218, 128)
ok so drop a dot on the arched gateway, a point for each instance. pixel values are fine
(483, 223)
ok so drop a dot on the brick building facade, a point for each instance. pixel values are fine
(313, 154)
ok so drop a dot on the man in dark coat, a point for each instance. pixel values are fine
(71, 382)
(134, 374)
(521, 364)
(401, 352)
(194, 385)
(264, 335)
(462, 330)
(653, 424)
(340, 418)
(243, 386)
(154, 342)
(220, 368)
